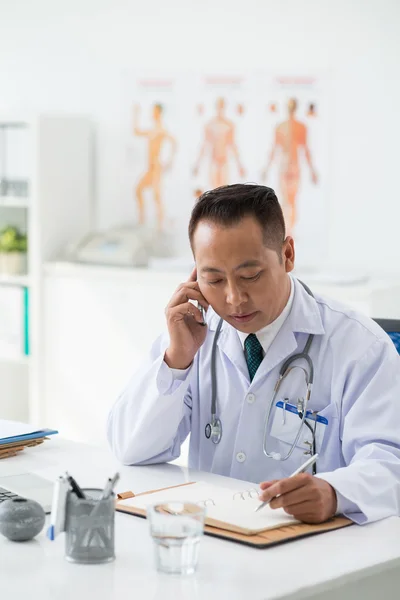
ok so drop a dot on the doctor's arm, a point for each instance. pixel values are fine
(151, 418)
(369, 485)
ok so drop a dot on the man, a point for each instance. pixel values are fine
(219, 142)
(156, 137)
(262, 315)
(290, 139)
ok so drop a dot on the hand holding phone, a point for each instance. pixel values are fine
(186, 323)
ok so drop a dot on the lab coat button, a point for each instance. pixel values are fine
(251, 398)
(240, 457)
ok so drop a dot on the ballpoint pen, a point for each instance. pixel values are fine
(301, 469)
(109, 487)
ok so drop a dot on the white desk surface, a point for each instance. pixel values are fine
(37, 569)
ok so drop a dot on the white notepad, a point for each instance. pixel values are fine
(224, 508)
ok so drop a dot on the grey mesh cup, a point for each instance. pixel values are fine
(89, 528)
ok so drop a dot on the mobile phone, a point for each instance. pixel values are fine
(203, 314)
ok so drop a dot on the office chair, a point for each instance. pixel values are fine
(392, 328)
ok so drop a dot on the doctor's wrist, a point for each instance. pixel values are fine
(175, 361)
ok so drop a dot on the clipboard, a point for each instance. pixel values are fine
(266, 539)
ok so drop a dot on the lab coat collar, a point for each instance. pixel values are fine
(304, 317)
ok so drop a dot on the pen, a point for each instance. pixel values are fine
(75, 487)
(301, 469)
(109, 487)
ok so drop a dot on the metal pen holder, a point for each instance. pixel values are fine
(89, 527)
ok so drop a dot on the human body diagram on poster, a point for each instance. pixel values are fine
(157, 136)
(218, 146)
(290, 139)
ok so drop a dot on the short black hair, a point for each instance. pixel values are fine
(229, 204)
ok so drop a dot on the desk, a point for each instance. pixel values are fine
(360, 563)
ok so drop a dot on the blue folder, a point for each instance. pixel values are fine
(35, 435)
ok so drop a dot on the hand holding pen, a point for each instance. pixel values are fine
(307, 498)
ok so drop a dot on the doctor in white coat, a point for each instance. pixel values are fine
(259, 315)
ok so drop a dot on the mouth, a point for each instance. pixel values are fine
(243, 318)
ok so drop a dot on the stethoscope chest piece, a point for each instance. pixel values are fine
(213, 431)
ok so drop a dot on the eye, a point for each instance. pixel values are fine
(253, 278)
(214, 282)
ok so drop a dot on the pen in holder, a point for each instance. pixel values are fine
(89, 527)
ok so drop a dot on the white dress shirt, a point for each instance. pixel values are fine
(267, 334)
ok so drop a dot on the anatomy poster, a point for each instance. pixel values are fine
(220, 111)
(294, 150)
(153, 141)
(189, 133)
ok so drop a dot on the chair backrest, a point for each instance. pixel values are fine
(392, 328)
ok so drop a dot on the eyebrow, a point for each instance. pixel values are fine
(244, 265)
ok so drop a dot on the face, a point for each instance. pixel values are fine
(243, 280)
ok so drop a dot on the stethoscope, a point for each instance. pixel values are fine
(213, 430)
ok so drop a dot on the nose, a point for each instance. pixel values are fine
(235, 296)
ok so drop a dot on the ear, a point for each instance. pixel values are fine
(288, 254)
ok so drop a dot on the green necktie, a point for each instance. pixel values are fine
(254, 354)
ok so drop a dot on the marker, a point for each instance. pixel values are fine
(58, 508)
(301, 469)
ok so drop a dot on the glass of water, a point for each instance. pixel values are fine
(176, 529)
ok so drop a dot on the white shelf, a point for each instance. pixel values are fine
(17, 360)
(52, 142)
(22, 280)
(15, 201)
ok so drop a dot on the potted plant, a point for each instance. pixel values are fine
(13, 251)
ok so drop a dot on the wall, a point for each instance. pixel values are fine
(71, 56)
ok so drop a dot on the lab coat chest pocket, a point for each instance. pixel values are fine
(285, 426)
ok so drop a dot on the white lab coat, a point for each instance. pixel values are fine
(356, 387)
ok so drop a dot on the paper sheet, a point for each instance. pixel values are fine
(229, 507)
